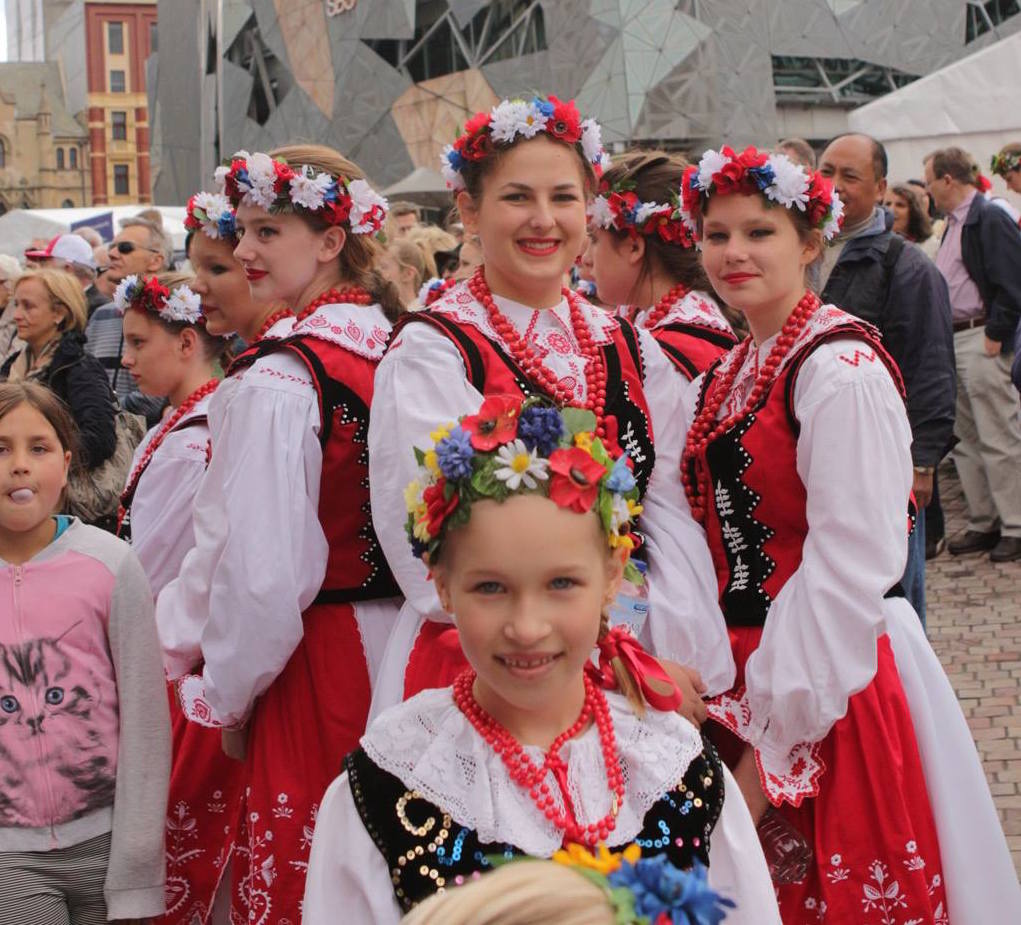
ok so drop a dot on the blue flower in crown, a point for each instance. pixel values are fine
(763, 176)
(227, 225)
(540, 429)
(621, 479)
(454, 455)
(544, 106)
(670, 896)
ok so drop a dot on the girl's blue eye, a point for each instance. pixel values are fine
(488, 587)
(562, 584)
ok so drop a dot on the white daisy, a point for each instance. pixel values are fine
(620, 513)
(506, 119)
(520, 465)
(790, 182)
(363, 199)
(124, 291)
(183, 305)
(308, 189)
(592, 140)
(712, 162)
(600, 214)
(453, 177)
(646, 210)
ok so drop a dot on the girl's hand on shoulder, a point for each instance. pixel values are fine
(692, 688)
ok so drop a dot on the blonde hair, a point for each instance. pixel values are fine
(523, 893)
(360, 252)
(11, 269)
(63, 289)
(432, 240)
(409, 253)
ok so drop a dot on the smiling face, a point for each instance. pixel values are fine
(527, 582)
(221, 283)
(755, 258)
(530, 219)
(33, 469)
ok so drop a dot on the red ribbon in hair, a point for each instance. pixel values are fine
(619, 643)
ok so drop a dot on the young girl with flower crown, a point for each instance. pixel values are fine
(523, 174)
(526, 528)
(286, 581)
(797, 462)
(170, 354)
(643, 259)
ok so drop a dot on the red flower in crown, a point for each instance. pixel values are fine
(337, 211)
(284, 175)
(231, 189)
(477, 123)
(820, 198)
(495, 424)
(154, 293)
(438, 506)
(565, 123)
(689, 195)
(673, 232)
(474, 147)
(575, 482)
(190, 222)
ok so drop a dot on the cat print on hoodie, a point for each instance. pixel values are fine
(55, 749)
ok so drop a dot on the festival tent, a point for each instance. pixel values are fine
(422, 186)
(971, 103)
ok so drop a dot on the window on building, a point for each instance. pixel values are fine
(73, 158)
(153, 38)
(120, 180)
(984, 16)
(115, 37)
(120, 126)
(60, 158)
(117, 82)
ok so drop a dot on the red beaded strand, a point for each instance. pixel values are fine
(355, 295)
(705, 428)
(168, 425)
(664, 305)
(525, 774)
(276, 316)
(525, 356)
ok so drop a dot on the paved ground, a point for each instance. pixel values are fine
(974, 624)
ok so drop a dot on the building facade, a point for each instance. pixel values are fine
(388, 82)
(43, 149)
(100, 50)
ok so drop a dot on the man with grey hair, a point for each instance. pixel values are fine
(141, 248)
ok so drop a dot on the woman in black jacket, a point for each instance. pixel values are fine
(50, 314)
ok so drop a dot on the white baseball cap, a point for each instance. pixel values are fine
(67, 247)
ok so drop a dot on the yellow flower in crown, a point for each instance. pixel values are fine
(602, 859)
(583, 442)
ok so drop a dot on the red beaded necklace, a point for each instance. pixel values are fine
(525, 774)
(352, 294)
(705, 428)
(663, 306)
(536, 371)
(276, 316)
(168, 425)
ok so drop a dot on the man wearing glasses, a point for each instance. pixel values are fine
(141, 248)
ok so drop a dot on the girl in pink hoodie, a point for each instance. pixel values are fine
(84, 729)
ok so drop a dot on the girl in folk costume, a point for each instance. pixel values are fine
(523, 174)
(525, 522)
(286, 579)
(169, 353)
(798, 464)
(643, 259)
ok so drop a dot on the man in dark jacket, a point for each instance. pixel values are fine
(874, 274)
(980, 256)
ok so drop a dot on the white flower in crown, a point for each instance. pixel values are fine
(452, 177)
(182, 305)
(516, 117)
(600, 214)
(832, 226)
(620, 513)
(647, 209)
(790, 182)
(262, 190)
(309, 189)
(712, 162)
(592, 141)
(126, 289)
(364, 199)
(220, 177)
(520, 465)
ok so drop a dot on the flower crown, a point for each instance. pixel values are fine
(1005, 162)
(272, 184)
(514, 446)
(432, 289)
(775, 176)
(212, 214)
(618, 207)
(176, 305)
(647, 891)
(511, 119)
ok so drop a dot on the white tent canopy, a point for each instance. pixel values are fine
(971, 103)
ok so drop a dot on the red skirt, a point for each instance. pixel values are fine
(876, 853)
(301, 729)
(436, 658)
(202, 818)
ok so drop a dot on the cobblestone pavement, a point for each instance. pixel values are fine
(974, 623)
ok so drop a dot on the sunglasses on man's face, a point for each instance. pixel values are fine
(127, 247)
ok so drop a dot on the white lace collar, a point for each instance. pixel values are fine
(695, 308)
(429, 745)
(359, 328)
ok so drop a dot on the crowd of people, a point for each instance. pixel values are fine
(563, 564)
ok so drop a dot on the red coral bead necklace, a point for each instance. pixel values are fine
(355, 295)
(533, 778)
(663, 306)
(273, 318)
(525, 355)
(705, 428)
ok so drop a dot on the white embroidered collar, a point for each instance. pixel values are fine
(362, 329)
(429, 745)
(695, 308)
